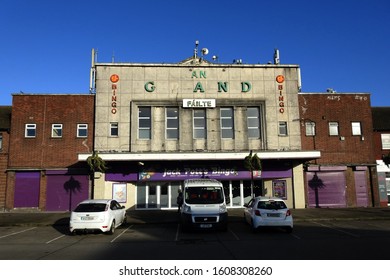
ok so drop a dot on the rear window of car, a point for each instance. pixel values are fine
(91, 207)
(274, 205)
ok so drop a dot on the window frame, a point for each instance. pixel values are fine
(57, 130)
(254, 128)
(385, 143)
(147, 129)
(173, 120)
(310, 128)
(33, 128)
(196, 128)
(334, 125)
(226, 128)
(79, 128)
(282, 128)
(114, 125)
(358, 126)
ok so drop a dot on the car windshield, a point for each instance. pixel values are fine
(203, 195)
(91, 207)
(274, 205)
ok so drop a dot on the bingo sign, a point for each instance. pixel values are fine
(280, 81)
(114, 80)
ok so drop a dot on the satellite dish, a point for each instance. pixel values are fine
(205, 51)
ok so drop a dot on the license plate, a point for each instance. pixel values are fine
(272, 215)
(86, 218)
(205, 225)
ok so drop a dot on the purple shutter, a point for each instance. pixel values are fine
(64, 192)
(361, 189)
(27, 185)
(326, 189)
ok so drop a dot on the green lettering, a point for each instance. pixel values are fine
(149, 86)
(246, 86)
(222, 86)
(198, 87)
(194, 75)
(202, 74)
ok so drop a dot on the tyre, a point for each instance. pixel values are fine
(112, 228)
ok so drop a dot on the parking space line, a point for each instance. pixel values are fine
(17, 232)
(50, 241)
(177, 232)
(337, 229)
(235, 235)
(119, 235)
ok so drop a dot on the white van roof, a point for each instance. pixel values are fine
(201, 182)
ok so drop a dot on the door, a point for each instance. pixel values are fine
(361, 189)
(27, 185)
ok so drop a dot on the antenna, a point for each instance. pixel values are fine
(276, 57)
(196, 48)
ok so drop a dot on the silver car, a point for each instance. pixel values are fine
(104, 215)
(268, 212)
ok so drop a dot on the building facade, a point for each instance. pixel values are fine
(380, 118)
(48, 133)
(5, 127)
(340, 127)
(159, 124)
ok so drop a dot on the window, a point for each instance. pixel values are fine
(114, 131)
(144, 122)
(172, 123)
(356, 128)
(30, 130)
(56, 130)
(333, 128)
(310, 128)
(385, 141)
(82, 130)
(282, 128)
(227, 123)
(199, 123)
(1, 142)
(253, 121)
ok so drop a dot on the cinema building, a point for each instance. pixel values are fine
(159, 124)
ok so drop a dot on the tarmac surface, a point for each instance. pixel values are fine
(37, 218)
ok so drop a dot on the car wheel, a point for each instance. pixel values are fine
(289, 229)
(112, 228)
(254, 230)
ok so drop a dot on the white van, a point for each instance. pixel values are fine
(204, 205)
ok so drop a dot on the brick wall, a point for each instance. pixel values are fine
(3, 167)
(344, 109)
(44, 151)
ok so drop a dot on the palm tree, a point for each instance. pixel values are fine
(96, 164)
(252, 163)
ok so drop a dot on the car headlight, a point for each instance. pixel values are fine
(222, 208)
(187, 209)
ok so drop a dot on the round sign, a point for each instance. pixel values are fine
(280, 78)
(114, 78)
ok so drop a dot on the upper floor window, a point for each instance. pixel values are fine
(30, 130)
(199, 123)
(333, 128)
(227, 123)
(82, 130)
(172, 122)
(310, 128)
(253, 121)
(283, 129)
(56, 130)
(385, 141)
(356, 128)
(114, 131)
(144, 122)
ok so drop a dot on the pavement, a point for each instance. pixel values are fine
(37, 218)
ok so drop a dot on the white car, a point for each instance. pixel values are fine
(268, 212)
(104, 215)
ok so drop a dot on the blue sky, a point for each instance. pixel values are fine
(46, 45)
